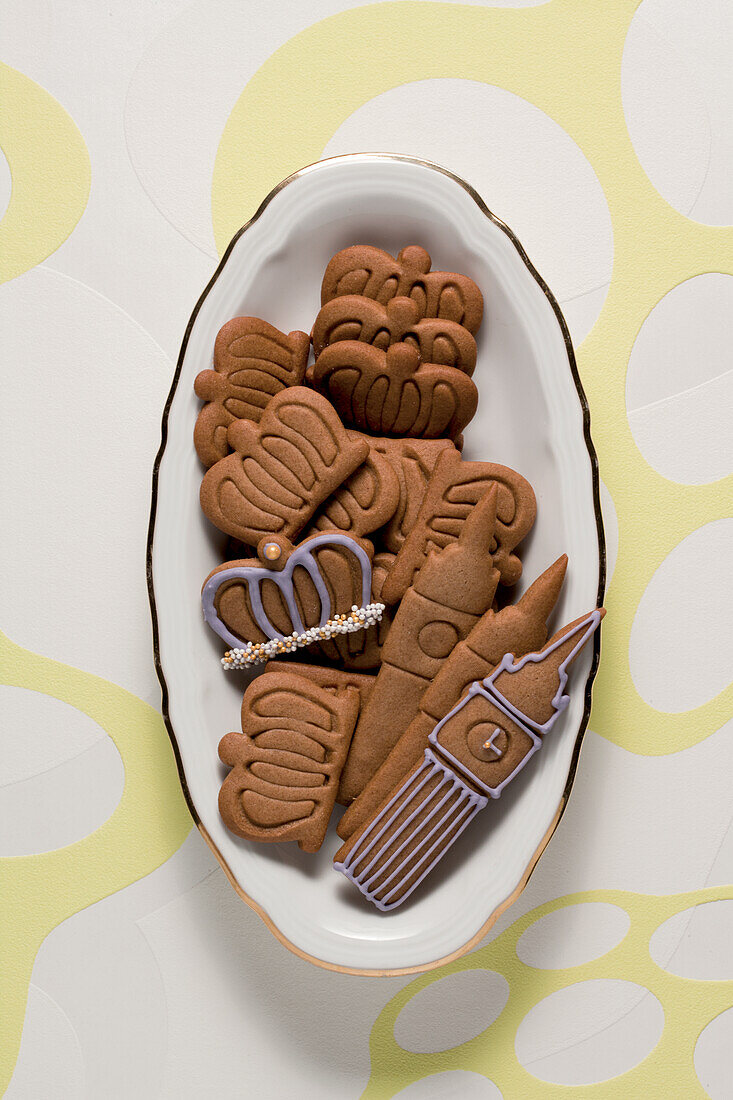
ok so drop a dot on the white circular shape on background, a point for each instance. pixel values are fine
(679, 651)
(573, 935)
(454, 1084)
(713, 1062)
(679, 384)
(6, 183)
(697, 942)
(185, 86)
(39, 732)
(610, 529)
(81, 429)
(53, 1044)
(589, 1032)
(527, 169)
(676, 85)
(62, 804)
(451, 1011)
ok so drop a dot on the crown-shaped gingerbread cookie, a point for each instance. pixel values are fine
(353, 317)
(374, 273)
(290, 596)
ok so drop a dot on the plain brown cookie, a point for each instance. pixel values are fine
(253, 361)
(518, 628)
(282, 469)
(393, 392)
(452, 491)
(452, 590)
(365, 502)
(363, 269)
(353, 317)
(287, 763)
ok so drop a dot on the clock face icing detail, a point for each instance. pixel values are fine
(484, 741)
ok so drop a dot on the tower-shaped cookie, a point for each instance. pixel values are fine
(451, 591)
(518, 628)
(474, 752)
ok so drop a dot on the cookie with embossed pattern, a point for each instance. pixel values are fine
(365, 502)
(454, 488)
(393, 392)
(353, 317)
(281, 469)
(253, 361)
(374, 273)
(287, 762)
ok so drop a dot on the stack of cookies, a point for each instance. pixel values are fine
(364, 544)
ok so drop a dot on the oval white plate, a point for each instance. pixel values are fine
(532, 416)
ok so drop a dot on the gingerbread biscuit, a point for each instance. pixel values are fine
(452, 590)
(329, 677)
(287, 591)
(413, 461)
(362, 649)
(365, 502)
(474, 751)
(353, 317)
(326, 676)
(252, 362)
(393, 392)
(452, 491)
(517, 628)
(287, 762)
(282, 469)
(362, 269)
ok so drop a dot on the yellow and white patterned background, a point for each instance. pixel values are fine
(137, 137)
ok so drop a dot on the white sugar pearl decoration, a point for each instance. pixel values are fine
(256, 653)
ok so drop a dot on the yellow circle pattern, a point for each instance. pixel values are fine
(50, 170)
(565, 57)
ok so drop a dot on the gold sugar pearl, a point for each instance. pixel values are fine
(272, 551)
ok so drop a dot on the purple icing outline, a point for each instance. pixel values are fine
(302, 555)
(433, 765)
(477, 688)
(559, 701)
(468, 804)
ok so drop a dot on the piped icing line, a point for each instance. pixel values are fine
(253, 575)
(373, 864)
(585, 628)
(254, 653)
(478, 688)
(467, 804)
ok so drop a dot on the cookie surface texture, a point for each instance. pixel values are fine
(455, 587)
(287, 762)
(253, 361)
(394, 392)
(354, 317)
(374, 273)
(453, 490)
(364, 502)
(282, 469)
